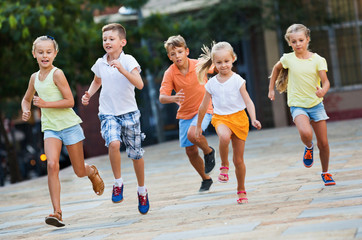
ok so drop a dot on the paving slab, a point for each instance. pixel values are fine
(286, 200)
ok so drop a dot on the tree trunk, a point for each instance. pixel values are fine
(15, 175)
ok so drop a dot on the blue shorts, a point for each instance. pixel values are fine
(316, 113)
(184, 125)
(125, 128)
(68, 136)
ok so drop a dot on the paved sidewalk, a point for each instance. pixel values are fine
(286, 200)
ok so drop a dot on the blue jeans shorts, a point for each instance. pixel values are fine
(125, 128)
(316, 113)
(68, 136)
(184, 125)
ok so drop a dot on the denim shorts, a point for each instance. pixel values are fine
(184, 125)
(316, 113)
(125, 128)
(68, 136)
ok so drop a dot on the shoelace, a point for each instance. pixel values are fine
(308, 154)
(116, 191)
(143, 199)
(327, 176)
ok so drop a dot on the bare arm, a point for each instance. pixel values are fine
(250, 107)
(201, 114)
(178, 98)
(133, 77)
(93, 88)
(325, 84)
(26, 102)
(61, 82)
(276, 69)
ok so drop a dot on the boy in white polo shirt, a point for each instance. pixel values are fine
(118, 74)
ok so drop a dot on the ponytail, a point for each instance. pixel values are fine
(204, 64)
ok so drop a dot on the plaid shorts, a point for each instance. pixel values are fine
(126, 129)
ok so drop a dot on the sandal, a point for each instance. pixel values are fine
(223, 177)
(98, 184)
(242, 199)
(55, 219)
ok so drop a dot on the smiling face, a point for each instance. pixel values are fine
(299, 42)
(223, 61)
(45, 53)
(112, 43)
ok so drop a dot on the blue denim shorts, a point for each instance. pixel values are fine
(68, 136)
(184, 125)
(316, 113)
(125, 128)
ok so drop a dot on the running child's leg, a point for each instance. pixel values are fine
(320, 129)
(240, 169)
(52, 148)
(139, 168)
(224, 134)
(115, 158)
(196, 161)
(81, 169)
(305, 129)
(201, 142)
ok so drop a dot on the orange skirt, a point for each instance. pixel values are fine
(237, 122)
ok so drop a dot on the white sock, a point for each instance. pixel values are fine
(310, 147)
(142, 190)
(118, 182)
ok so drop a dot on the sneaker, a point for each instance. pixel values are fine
(209, 161)
(117, 194)
(205, 185)
(143, 203)
(308, 157)
(327, 179)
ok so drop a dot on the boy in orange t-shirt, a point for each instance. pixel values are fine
(181, 77)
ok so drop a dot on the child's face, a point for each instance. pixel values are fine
(112, 43)
(178, 55)
(299, 42)
(223, 61)
(44, 53)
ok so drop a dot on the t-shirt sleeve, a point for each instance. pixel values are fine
(284, 61)
(132, 64)
(240, 82)
(322, 64)
(167, 84)
(208, 87)
(95, 69)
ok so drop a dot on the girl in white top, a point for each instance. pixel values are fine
(229, 97)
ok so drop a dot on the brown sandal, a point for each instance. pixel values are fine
(98, 184)
(55, 219)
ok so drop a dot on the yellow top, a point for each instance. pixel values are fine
(55, 119)
(303, 79)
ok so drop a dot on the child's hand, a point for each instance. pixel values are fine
(320, 93)
(118, 65)
(256, 124)
(198, 133)
(179, 97)
(37, 101)
(26, 115)
(85, 98)
(271, 95)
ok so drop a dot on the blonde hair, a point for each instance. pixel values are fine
(296, 28)
(175, 41)
(206, 58)
(115, 27)
(45, 38)
(281, 83)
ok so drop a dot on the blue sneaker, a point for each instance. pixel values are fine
(143, 203)
(117, 194)
(308, 157)
(327, 179)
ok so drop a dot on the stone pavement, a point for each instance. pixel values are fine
(286, 200)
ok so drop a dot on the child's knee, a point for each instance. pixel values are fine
(53, 166)
(114, 146)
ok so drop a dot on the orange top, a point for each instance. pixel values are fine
(194, 92)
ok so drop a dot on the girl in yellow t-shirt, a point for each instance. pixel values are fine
(59, 122)
(306, 72)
